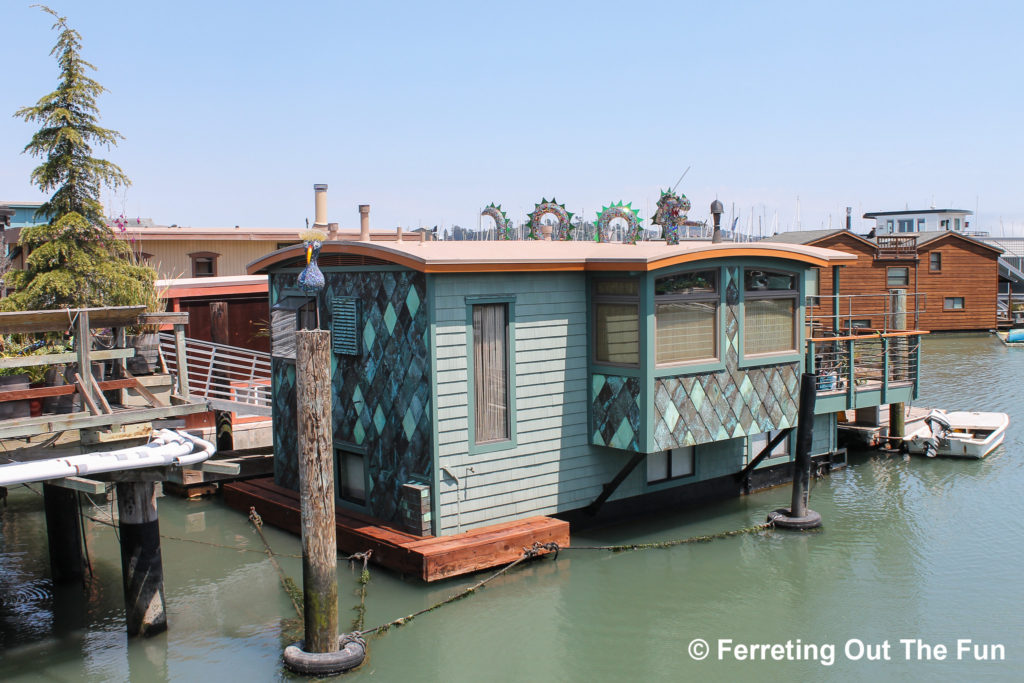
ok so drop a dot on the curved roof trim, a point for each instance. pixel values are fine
(484, 257)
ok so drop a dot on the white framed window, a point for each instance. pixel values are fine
(769, 312)
(616, 322)
(953, 303)
(686, 317)
(675, 463)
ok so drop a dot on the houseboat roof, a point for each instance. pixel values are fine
(184, 287)
(174, 232)
(921, 238)
(908, 212)
(539, 255)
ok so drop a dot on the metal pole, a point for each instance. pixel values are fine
(316, 490)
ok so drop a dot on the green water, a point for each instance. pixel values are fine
(912, 549)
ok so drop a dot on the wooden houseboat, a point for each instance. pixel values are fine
(951, 279)
(481, 383)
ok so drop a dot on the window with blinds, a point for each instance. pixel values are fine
(491, 373)
(769, 312)
(686, 317)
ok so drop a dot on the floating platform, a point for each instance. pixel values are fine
(873, 435)
(430, 558)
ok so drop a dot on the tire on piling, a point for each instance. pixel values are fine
(351, 653)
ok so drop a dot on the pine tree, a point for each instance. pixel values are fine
(75, 260)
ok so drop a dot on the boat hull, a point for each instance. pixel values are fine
(973, 435)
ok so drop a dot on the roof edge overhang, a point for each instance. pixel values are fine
(814, 256)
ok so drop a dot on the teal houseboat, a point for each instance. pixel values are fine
(482, 382)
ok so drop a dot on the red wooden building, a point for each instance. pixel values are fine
(951, 280)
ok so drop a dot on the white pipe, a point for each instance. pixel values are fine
(168, 447)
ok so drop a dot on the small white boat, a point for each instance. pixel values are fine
(957, 434)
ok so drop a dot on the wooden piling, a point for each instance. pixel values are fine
(897, 423)
(316, 490)
(804, 443)
(63, 533)
(142, 571)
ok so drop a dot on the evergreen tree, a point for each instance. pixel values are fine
(75, 260)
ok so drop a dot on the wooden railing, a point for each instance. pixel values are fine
(896, 247)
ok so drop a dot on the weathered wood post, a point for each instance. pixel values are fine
(63, 534)
(799, 516)
(316, 490)
(220, 335)
(142, 570)
(897, 417)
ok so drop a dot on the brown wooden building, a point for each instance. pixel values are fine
(951, 280)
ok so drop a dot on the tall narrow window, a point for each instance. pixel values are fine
(769, 312)
(491, 373)
(935, 261)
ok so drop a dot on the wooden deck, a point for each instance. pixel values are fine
(430, 558)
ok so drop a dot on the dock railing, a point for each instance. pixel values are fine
(230, 378)
(848, 313)
(853, 364)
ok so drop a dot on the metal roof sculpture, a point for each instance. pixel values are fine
(671, 214)
(501, 224)
(624, 211)
(562, 231)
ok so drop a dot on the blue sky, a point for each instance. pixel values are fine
(429, 111)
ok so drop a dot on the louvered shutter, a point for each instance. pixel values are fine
(344, 325)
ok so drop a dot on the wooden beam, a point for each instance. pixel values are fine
(168, 318)
(84, 391)
(144, 391)
(80, 484)
(63, 390)
(68, 357)
(30, 426)
(99, 395)
(61, 320)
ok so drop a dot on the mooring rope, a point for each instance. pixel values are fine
(671, 544)
(364, 579)
(294, 594)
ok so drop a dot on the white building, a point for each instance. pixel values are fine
(890, 222)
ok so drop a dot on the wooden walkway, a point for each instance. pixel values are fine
(430, 558)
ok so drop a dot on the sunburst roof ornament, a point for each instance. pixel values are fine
(501, 224)
(624, 211)
(562, 231)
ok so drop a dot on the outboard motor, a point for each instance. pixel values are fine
(940, 426)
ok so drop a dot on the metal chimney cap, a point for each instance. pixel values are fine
(716, 207)
(320, 187)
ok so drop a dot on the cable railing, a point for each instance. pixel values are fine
(228, 377)
(860, 362)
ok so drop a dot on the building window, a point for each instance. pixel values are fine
(617, 322)
(491, 386)
(906, 225)
(953, 303)
(812, 288)
(282, 245)
(859, 324)
(204, 263)
(305, 316)
(944, 224)
(956, 224)
(935, 261)
(671, 464)
(759, 441)
(289, 314)
(769, 312)
(920, 224)
(888, 226)
(897, 277)
(686, 317)
(351, 476)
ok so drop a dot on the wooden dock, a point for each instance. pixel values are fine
(430, 558)
(873, 435)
